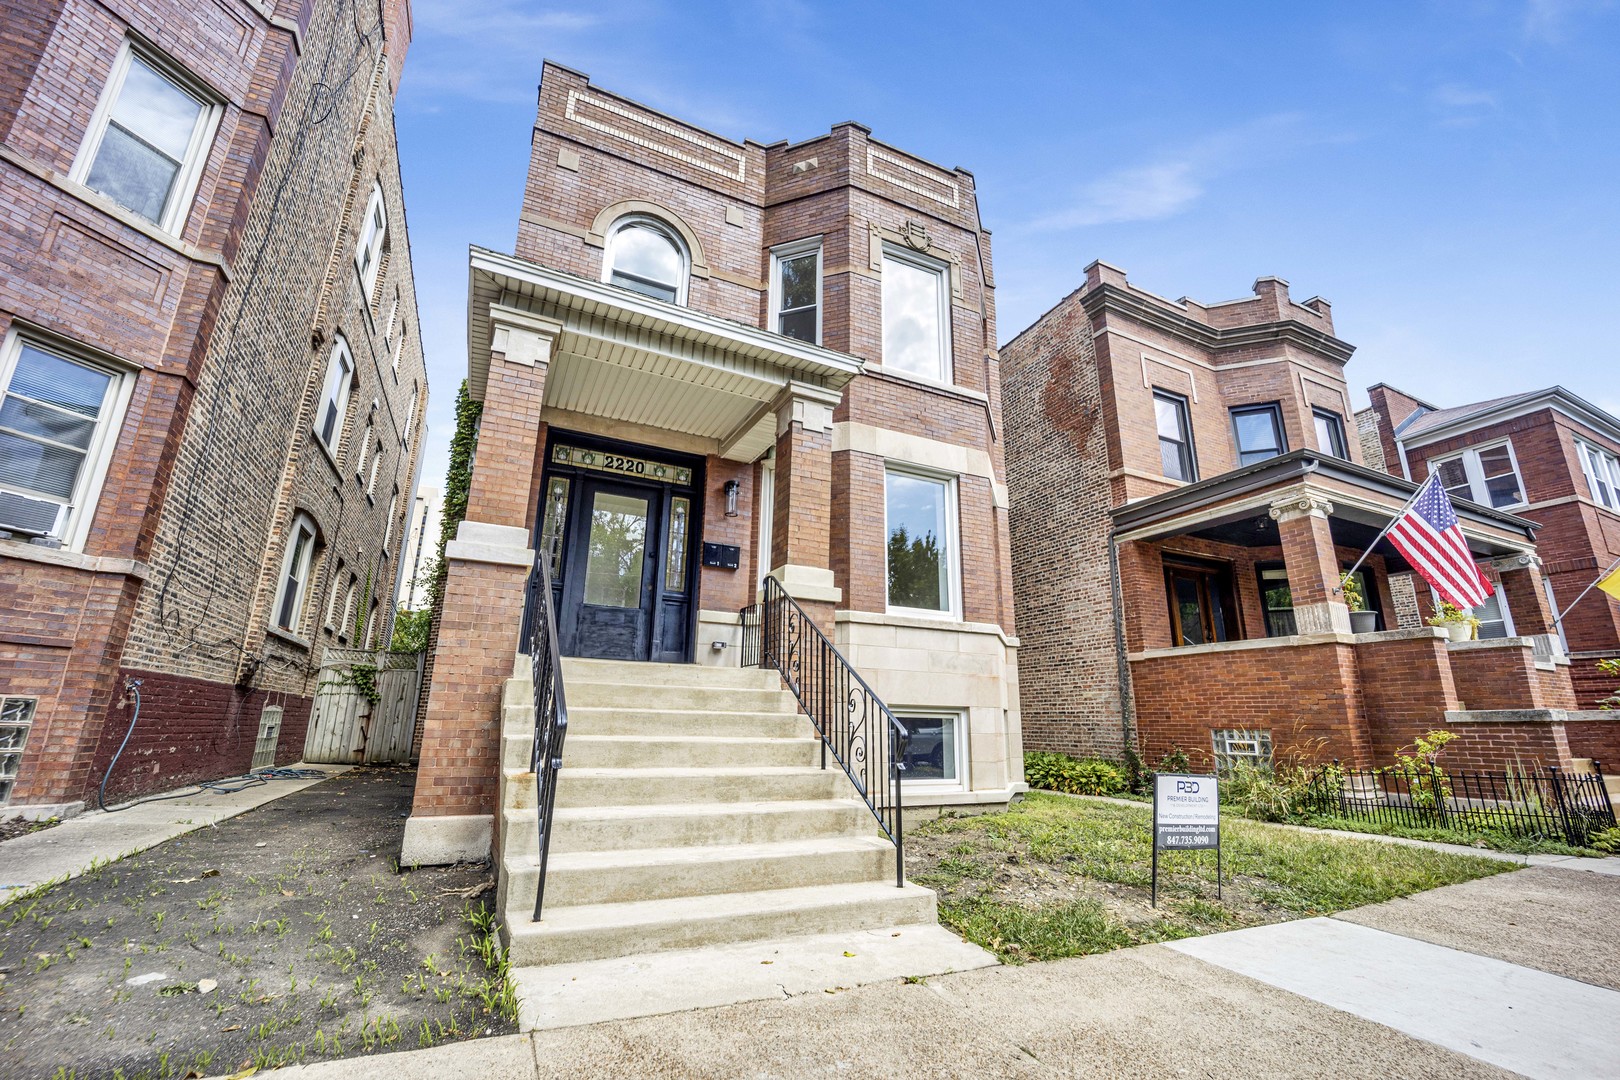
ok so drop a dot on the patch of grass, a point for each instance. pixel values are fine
(1495, 841)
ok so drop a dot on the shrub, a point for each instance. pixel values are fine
(1606, 841)
(1257, 793)
(1176, 761)
(1073, 776)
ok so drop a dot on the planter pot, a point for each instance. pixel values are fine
(1459, 631)
(1363, 622)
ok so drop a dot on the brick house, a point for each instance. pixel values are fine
(211, 388)
(1546, 454)
(1186, 497)
(708, 362)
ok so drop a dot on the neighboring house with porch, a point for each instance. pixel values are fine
(1186, 500)
(1547, 455)
(707, 363)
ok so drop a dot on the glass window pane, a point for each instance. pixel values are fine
(132, 174)
(1170, 459)
(1329, 434)
(16, 710)
(1190, 604)
(799, 281)
(917, 555)
(1501, 484)
(618, 546)
(42, 421)
(59, 382)
(553, 521)
(35, 466)
(156, 110)
(1492, 623)
(800, 325)
(1168, 415)
(647, 255)
(913, 339)
(931, 748)
(1455, 478)
(680, 510)
(1257, 435)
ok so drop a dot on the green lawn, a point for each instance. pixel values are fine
(1055, 877)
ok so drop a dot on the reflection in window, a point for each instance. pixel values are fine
(1486, 476)
(1278, 600)
(918, 546)
(1175, 436)
(1259, 433)
(618, 546)
(149, 136)
(680, 512)
(798, 295)
(915, 338)
(1330, 433)
(643, 256)
(50, 411)
(553, 519)
(295, 573)
(931, 748)
(1201, 607)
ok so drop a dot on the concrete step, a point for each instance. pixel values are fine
(616, 828)
(623, 671)
(647, 787)
(612, 877)
(597, 931)
(707, 698)
(596, 720)
(692, 751)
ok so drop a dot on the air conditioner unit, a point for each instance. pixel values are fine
(22, 516)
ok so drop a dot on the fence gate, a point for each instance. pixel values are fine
(365, 707)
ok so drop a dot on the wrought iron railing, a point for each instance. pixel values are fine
(856, 728)
(550, 707)
(1527, 803)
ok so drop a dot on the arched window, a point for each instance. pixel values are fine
(647, 256)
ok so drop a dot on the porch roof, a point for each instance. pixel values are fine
(630, 358)
(1233, 507)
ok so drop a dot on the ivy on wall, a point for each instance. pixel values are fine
(457, 483)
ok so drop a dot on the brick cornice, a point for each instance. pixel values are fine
(1109, 298)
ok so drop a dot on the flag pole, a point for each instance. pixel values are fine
(1385, 531)
(1558, 619)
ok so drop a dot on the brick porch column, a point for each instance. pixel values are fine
(1312, 564)
(1519, 578)
(801, 519)
(487, 568)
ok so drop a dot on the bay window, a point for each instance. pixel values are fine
(916, 315)
(920, 513)
(1487, 475)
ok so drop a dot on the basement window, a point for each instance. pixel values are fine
(1241, 747)
(934, 748)
(16, 717)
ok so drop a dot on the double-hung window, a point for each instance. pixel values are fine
(368, 252)
(1175, 436)
(796, 290)
(920, 513)
(335, 396)
(58, 418)
(1259, 433)
(1486, 475)
(644, 256)
(147, 141)
(1602, 474)
(295, 566)
(916, 315)
(1330, 433)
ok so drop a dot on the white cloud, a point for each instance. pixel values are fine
(1548, 21)
(1457, 96)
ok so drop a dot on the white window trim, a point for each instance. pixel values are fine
(1508, 629)
(345, 388)
(368, 247)
(329, 622)
(767, 514)
(301, 523)
(1476, 472)
(1220, 746)
(792, 251)
(952, 611)
(410, 414)
(1583, 450)
(959, 718)
(73, 524)
(947, 368)
(669, 232)
(376, 462)
(178, 207)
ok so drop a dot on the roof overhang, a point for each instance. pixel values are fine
(1555, 398)
(624, 357)
(1362, 499)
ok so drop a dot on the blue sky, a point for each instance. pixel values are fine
(1446, 173)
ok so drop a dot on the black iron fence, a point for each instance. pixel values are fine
(550, 706)
(856, 728)
(1539, 803)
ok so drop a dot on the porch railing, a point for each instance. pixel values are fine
(1526, 803)
(856, 728)
(550, 707)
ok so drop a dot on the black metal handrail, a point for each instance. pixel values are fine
(550, 706)
(844, 710)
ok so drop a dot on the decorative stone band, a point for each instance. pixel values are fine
(808, 583)
(502, 545)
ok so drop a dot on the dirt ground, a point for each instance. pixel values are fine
(12, 828)
(286, 934)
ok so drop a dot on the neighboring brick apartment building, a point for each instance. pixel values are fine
(798, 341)
(1547, 455)
(211, 388)
(1186, 497)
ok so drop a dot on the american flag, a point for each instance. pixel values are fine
(1431, 538)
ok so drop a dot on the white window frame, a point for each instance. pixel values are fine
(946, 373)
(959, 721)
(184, 193)
(392, 323)
(74, 519)
(329, 623)
(1221, 740)
(795, 250)
(345, 627)
(365, 454)
(1585, 451)
(399, 347)
(410, 414)
(669, 232)
(767, 515)
(952, 612)
(301, 524)
(388, 528)
(368, 249)
(1477, 491)
(376, 462)
(335, 387)
(1508, 629)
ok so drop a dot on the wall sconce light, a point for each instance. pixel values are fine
(731, 489)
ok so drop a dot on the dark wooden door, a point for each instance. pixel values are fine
(610, 568)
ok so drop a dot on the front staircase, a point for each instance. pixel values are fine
(692, 809)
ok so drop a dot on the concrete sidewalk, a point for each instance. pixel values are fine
(1507, 975)
(96, 837)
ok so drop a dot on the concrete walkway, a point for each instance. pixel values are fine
(96, 837)
(1508, 975)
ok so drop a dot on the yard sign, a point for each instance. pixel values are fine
(1186, 817)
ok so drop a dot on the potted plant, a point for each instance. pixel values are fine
(1362, 621)
(1458, 623)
